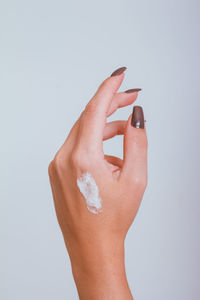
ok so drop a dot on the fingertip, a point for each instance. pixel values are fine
(112, 83)
(130, 95)
(119, 100)
(135, 149)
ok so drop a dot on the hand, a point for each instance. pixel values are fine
(97, 196)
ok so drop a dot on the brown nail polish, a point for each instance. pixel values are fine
(132, 91)
(118, 71)
(137, 120)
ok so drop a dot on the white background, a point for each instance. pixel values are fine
(53, 56)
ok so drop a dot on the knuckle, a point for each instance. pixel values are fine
(140, 182)
(76, 158)
(50, 169)
(84, 159)
(91, 108)
(58, 162)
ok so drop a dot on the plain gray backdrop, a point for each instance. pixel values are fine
(53, 56)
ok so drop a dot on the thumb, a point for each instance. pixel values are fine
(134, 169)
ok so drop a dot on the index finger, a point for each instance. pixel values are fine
(94, 116)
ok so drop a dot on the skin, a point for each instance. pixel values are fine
(95, 243)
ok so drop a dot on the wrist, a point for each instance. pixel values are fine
(99, 271)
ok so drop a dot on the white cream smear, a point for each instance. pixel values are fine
(90, 191)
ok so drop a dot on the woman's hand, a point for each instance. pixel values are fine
(97, 196)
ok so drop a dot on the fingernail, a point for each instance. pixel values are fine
(118, 71)
(132, 91)
(137, 120)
